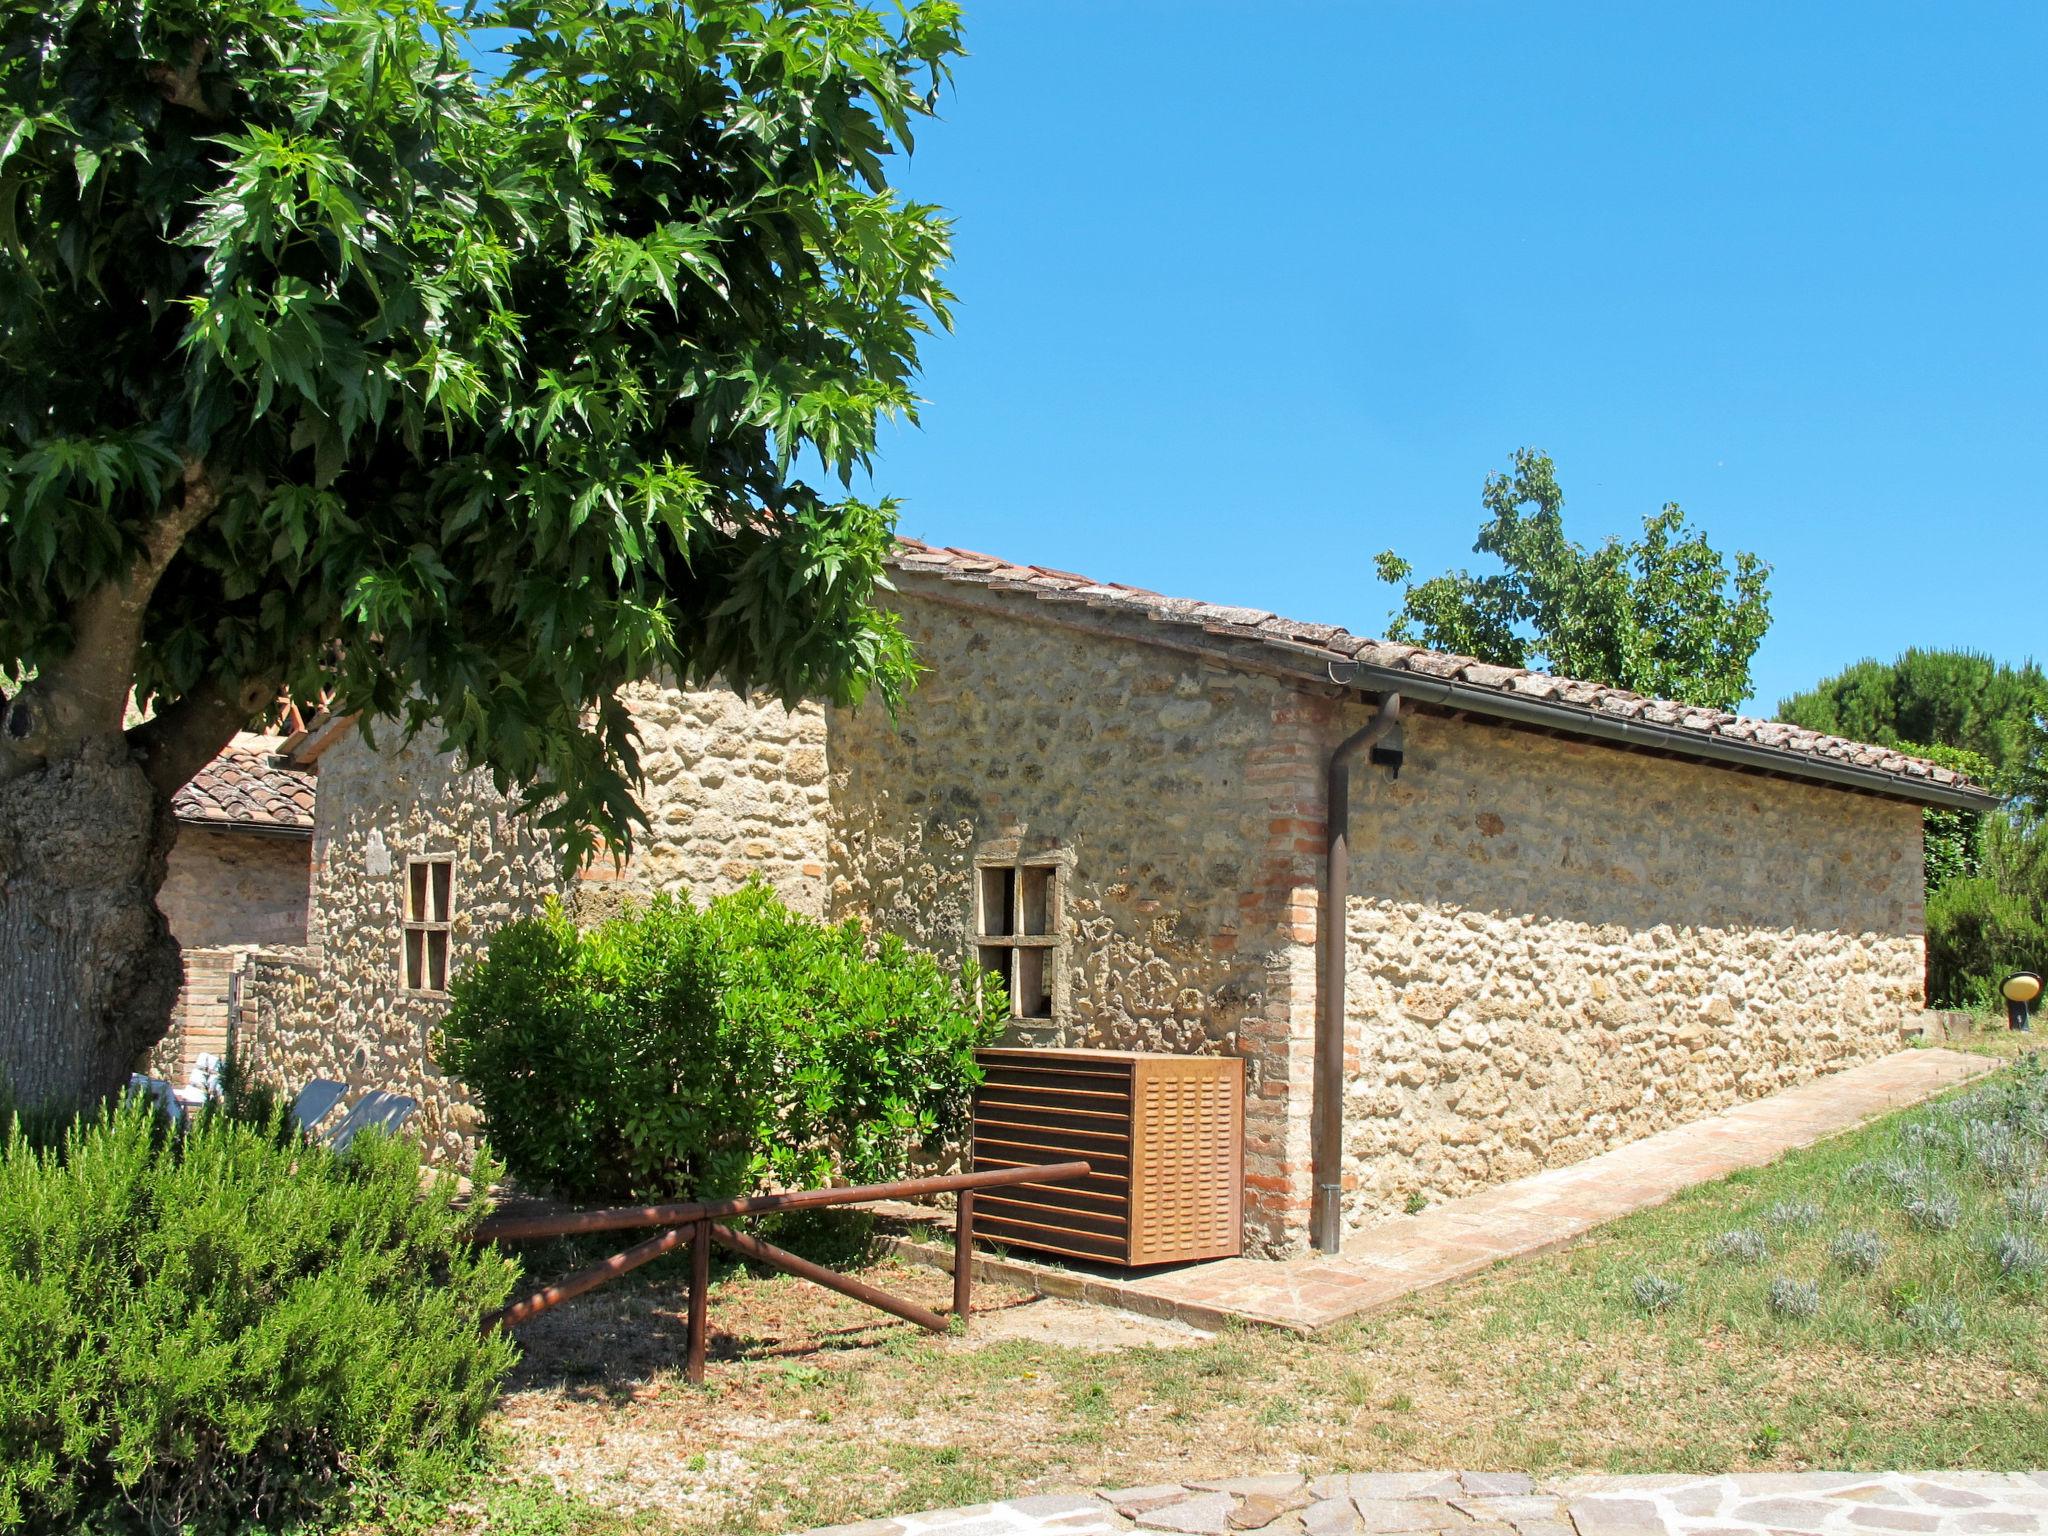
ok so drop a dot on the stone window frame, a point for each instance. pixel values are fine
(1020, 903)
(426, 937)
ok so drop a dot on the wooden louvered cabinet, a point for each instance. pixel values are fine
(1164, 1140)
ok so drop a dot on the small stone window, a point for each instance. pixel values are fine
(429, 908)
(1018, 908)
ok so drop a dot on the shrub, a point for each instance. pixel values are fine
(1938, 1317)
(2020, 1254)
(1901, 1178)
(2003, 1153)
(1743, 1245)
(1792, 1214)
(681, 1052)
(1858, 1252)
(1976, 934)
(1794, 1298)
(225, 1325)
(1935, 1211)
(1927, 1135)
(1654, 1293)
(2029, 1203)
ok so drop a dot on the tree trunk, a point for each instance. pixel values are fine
(89, 971)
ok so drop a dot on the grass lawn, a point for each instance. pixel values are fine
(1653, 1344)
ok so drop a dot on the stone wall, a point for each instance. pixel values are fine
(733, 786)
(1178, 793)
(229, 887)
(1553, 947)
(1557, 947)
(224, 893)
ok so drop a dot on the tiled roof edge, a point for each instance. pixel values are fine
(1327, 652)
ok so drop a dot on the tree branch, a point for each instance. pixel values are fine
(189, 734)
(86, 693)
(106, 624)
(181, 87)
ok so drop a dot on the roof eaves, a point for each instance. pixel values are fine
(1563, 705)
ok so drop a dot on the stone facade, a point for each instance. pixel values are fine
(1556, 948)
(1180, 794)
(227, 890)
(733, 786)
(227, 887)
(1553, 947)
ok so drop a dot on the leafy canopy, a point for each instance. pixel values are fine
(1987, 876)
(1947, 698)
(1662, 616)
(494, 383)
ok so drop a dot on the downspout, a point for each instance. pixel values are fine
(1326, 1211)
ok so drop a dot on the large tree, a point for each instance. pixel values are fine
(1947, 698)
(1663, 615)
(460, 381)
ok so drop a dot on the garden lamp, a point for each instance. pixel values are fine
(2019, 990)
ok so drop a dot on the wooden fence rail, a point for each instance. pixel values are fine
(700, 1223)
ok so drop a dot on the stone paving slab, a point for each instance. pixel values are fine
(1408, 1254)
(1511, 1504)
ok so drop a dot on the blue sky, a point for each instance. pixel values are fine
(1251, 292)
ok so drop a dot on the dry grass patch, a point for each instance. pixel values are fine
(818, 1410)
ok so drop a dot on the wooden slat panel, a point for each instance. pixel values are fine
(1079, 1245)
(1093, 1202)
(994, 1100)
(1117, 1085)
(1111, 1127)
(1163, 1136)
(1117, 1185)
(1054, 1146)
(1003, 1208)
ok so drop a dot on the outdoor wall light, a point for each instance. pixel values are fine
(1386, 752)
(2019, 990)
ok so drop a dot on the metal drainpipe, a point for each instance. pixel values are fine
(1326, 1212)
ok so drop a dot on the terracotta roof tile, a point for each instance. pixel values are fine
(1259, 627)
(248, 785)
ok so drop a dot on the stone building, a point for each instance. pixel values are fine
(237, 882)
(1574, 916)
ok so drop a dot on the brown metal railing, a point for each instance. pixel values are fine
(700, 1224)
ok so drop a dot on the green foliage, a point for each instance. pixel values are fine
(487, 385)
(205, 1329)
(1954, 699)
(1662, 616)
(674, 1051)
(1987, 876)
(1952, 842)
(1977, 934)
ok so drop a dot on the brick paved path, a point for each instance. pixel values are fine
(1407, 1254)
(1509, 1504)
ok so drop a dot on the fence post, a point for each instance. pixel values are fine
(700, 1298)
(963, 1254)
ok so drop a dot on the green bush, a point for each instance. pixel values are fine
(1976, 935)
(1952, 842)
(206, 1330)
(681, 1052)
